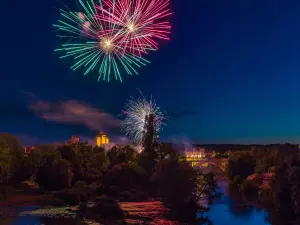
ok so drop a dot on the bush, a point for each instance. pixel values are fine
(272, 169)
(5, 192)
(127, 196)
(106, 209)
(70, 197)
(109, 208)
(126, 176)
(80, 184)
(265, 196)
(74, 196)
(237, 180)
(104, 198)
(249, 187)
(52, 201)
(113, 191)
(141, 196)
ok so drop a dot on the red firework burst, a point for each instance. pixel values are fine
(141, 22)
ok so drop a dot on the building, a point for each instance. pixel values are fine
(74, 139)
(102, 139)
(195, 155)
(28, 149)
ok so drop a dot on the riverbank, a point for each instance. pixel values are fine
(23, 199)
(229, 209)
(149, 212)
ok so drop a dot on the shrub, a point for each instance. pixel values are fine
(109, 208)
(140, 196)
(80, 184)
(74, 196)
(127, 196)
(249, 186)
(237, 180)
(265, 196)
(53, 201)
(113, 191)
(70, 197)
(106, 210)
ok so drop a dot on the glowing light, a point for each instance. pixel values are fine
(135, 112)
(81, 16)
(93, 43)
(131, 27)
(142, 22)
(106, 45)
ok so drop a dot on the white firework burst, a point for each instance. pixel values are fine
(136, 111)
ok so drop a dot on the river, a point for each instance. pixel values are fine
(228, 210)
(231, 210)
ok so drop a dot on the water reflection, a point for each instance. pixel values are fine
(233, 209)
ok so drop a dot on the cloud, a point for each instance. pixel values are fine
(182, 113)
(74, 112)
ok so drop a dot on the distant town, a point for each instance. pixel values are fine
(101, 140)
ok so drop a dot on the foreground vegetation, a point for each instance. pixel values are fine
(78, 174)
(270, 177)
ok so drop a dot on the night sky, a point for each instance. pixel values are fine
(230, 74)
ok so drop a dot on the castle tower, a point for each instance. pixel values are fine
(102, 139)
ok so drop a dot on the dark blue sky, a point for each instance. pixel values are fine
(230, 73)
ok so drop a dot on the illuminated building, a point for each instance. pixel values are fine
(101, 139)
(27, 150)
(74, 139)
(195, 156)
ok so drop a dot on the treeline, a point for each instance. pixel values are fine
(76, 173)
(272, 174)
(222, 148)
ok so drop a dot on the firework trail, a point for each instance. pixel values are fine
(95, 44)
(141, 22)
(135, 112)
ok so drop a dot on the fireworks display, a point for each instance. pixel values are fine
(112, 36)
(135, 112)
(141, 22)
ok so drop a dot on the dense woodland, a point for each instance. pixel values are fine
(270, 177)
(78, 173)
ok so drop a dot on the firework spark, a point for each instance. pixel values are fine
(135, 112)
(141, 21)
(93, 43)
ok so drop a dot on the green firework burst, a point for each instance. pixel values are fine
(94, 44)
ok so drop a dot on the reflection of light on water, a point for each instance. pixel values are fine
(50, 212)
(221, 212)
(154, 211)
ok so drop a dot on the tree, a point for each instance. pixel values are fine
(30, 165)
(294, 180)
(97, 149)
(149, 156)
(127, 176)
(62, 174)
(55, 172)
(45, 176)
(167, 150)
(180, 187)
(121, 155)
(130, 153)
(96, 167)
(263, 164)
(11, 155)
(281, 192)
(5, 172)
(240, 164)
(206, 185)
